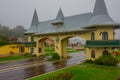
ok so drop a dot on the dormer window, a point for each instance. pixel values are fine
(57, 24)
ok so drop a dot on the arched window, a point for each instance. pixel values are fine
(93, 54)
(92, 36)
(105, 36)
(32, 50)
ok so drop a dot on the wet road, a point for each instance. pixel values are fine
(25, 71)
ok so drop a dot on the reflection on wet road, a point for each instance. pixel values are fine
(30, 70)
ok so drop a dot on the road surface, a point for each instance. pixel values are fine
(29, 68)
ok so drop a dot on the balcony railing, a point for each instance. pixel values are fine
(103, 43)
(29, 44)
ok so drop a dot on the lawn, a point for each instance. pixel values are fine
(118, 57)
(87, 72)
(50, 50)
(16, 57)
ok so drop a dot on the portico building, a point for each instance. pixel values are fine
(97, 28)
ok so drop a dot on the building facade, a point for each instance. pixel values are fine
(96, 28)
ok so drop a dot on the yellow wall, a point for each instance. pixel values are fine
(13, 47)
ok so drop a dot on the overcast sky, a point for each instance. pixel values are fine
(20, 12)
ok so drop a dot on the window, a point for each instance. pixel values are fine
(92, 36)
(93, 54)
(39, 50)
(32, 38)
(32, 50)
(105, 36)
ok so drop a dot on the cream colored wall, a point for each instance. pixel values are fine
(98, 52)
(60, 47)
(109, 29)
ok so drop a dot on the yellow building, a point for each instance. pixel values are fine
(13, 49)
(96, 28)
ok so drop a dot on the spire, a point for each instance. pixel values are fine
(60, 15)
(35, 19)
(100, 8)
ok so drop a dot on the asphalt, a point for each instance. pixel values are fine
(21, 70)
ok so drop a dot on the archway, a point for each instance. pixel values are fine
(72, 44)
(45, 46)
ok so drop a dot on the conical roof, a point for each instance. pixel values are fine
(35, 19)
(100, 8)
(60, 15)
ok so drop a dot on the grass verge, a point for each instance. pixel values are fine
(87, 72)
(16, 57)
(118, 57)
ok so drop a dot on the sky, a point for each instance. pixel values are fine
(20, 12)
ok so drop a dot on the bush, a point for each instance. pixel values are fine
(2, 43)
(89, 61)
(29, 55)
(61, 76)
(55, 56)
(116, 53)
(107, 60)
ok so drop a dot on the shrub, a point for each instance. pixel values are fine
(29, 55)
(11, 53)
(61, 76)
(89, 61)
(55, 56)
(2, 43)
(116, 53)
(42, 56)
(107, 60)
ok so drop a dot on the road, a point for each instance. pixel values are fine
(23, 70)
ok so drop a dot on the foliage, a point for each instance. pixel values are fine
(29, 55)
(12, 34)
(49, 51)
(118, 57)
(61, 76)
(2, 43)
(116, 53)
(107, 60)
(55, 56)
(89, 61)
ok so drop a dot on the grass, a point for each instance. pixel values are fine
(16, 57)
(87, 72)
(50, 50)
(71, 50)
(118, 57)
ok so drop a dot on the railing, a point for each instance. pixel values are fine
(29, 44)
(103, 43)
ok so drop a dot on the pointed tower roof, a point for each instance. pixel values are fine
(60, 15)
(35, 19)
(100, 8)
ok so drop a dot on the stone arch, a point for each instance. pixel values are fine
(40, 50)
(63, 45)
